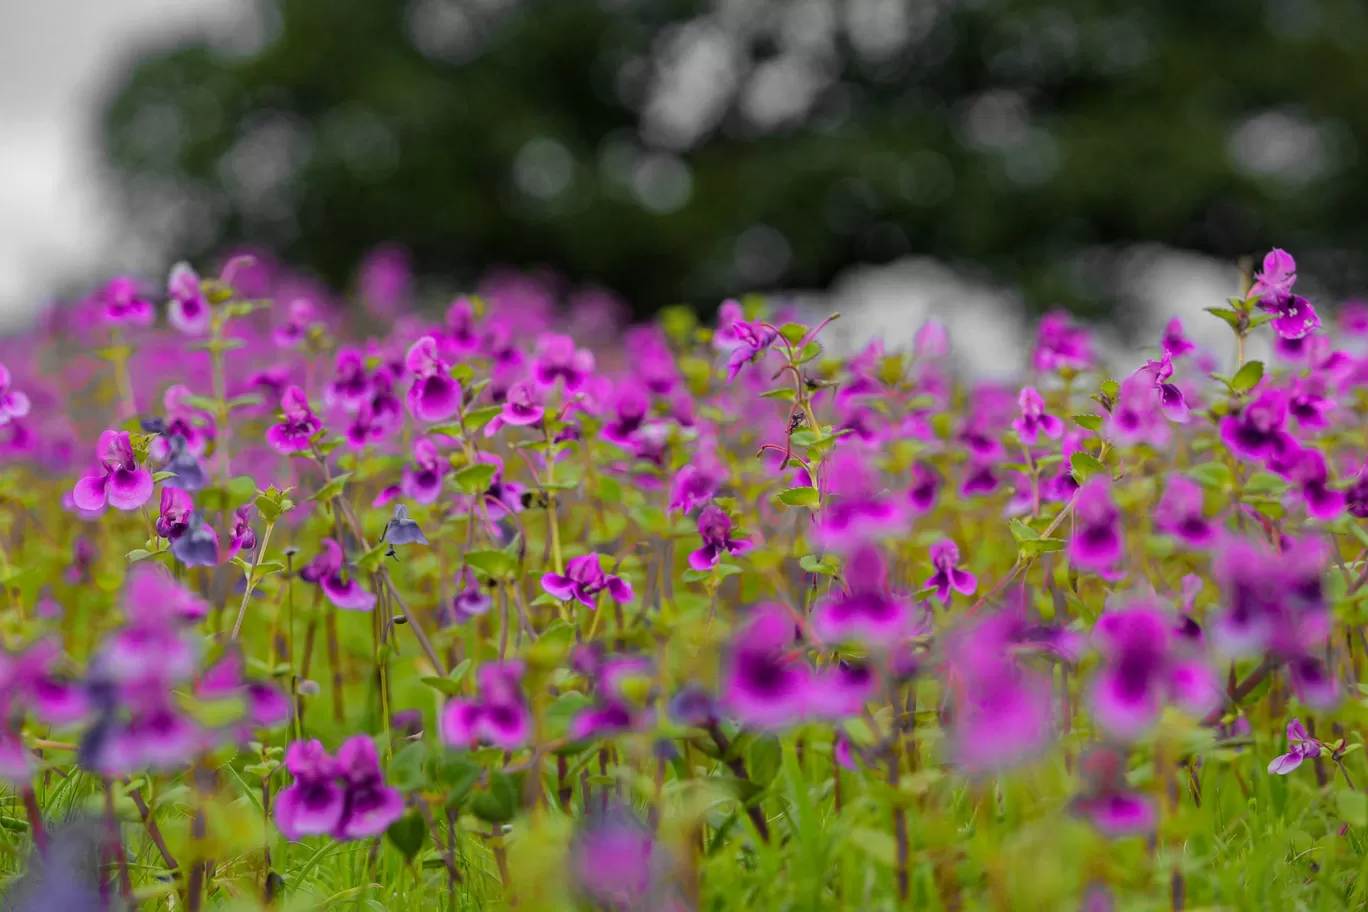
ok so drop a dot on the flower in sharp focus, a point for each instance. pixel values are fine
(123, 484)
(1034, 420)
(1272, 289)
(174, 517)
(521, 408)
(242, 537)
(188, 309)
(1171, 401)
(13, 404)
(295, 433)
(1300, 746)
(945, 558)
(714, 527)
(433, 395)
(1144, 666)
(584, 579)
(401, 530)
(326, 571)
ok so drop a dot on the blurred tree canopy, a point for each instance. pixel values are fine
(682, 151)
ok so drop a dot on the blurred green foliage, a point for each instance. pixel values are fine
(676, 150)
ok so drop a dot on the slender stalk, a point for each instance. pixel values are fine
(251, 579)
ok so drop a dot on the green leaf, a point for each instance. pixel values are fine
(458, 774)
(1022, 532)
(1214, 475)
(785, 393)
(1259, 319)
(1110, 388)
(1247, 377)
(1352, 806)
(1231, 317)
(407, 771)
(495, 564)
(800, 497)
(162, 476)
(1089, 422)
(137, 554)
(475, 479)
(498, 804)
(332, 489)
(794, 332)
(442, 685)
(763, 757)
(877, 844)
(476, 419)
(407, 834)
(1085, 466)
(811, 564)
(804, 437)
(810, 351)
(1040, 546)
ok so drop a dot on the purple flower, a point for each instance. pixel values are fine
(1137, 416)
(1061, 345)
(461, 339)
(264, 705)
(351, 385)
(761, 686)
(13, 404)
(421, 481)
(1309, 403)
(714, 526)
(198, 544)
(1356, 495)
(616, 865)
(921, 495)
(752, 340)
(1143, 667)
(1171, 401)
(604, 720)
(631, 404)
(557, 358)
(841, 691)
(1313, 681)
(370, 806)
(931, 340)
(1273, 290)
(866, 611)
(1174, 343)
(122, 304)
(433, 396)
(1034, 420)
(694, 484)
(1309, 471)
(856, 506)
(401, 530)
(1109, 804)
(980, 479)
(1096, 543)
(188, 310)
(499, 717)
(1179, 513)
(584, 579)
(944, 557)
(1274, 600)
(1300, 746)
(315, 803)
(242, 538)
(174, 517)
(470, 599)
(295, 433)
(521, 408)
(326, 571)
(122, 484)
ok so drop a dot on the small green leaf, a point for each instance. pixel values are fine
(495, 564)
(1022, 532)
(1085, 466)
(498, 804)
(800, 497)
(458, 774)
(793, 332)
(407, 771)
(332, 489)
(475, 479)
(1110, 388)
(1088, 422)
(1247, 377)
(785, 393)
(1231, 317)
(162, 476)
(407, 834)
(1040, 546)
(811, 564)
(442, 685)
(476, 419)
(1214, 475)
(137, 554)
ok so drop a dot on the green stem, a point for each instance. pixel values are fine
(251, 579)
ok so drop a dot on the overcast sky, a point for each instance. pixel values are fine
(57, 58)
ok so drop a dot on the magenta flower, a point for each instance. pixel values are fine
(612, 860)
(1110, 805)
(557, 358)
(188, 310)
(314, 804)
(370, 805)
(761, 686)
(1308, 471)
(752, 339)
(1144, 666)
(421, 481)
(944, 557)
(714, 527)
(174, 517)
(123, 485)
(13, 404)
(434, 395)
(1179, 513)
(631, 404)
(1174, 344)
(1034, 420)
(1273, 290)
(584, 579)
(1300, 746)
(300, 316)
(461, 339)
(264, 705)
(1096, 543)
(921, 495)
(470, 600)
(521, 408)
(1257, 432)
(351, 384)
(856, 506)
(1136, 416)
(694, 484)
(1274, 600)
(1171, 401)
(295, 433)
(866, 611)
(498, 717)
(1309, 403)
(242, 537)
(931, 340)
(122, 304)
(1061, 345)
(326, 571)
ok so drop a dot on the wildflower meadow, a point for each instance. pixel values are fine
(310, 607)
